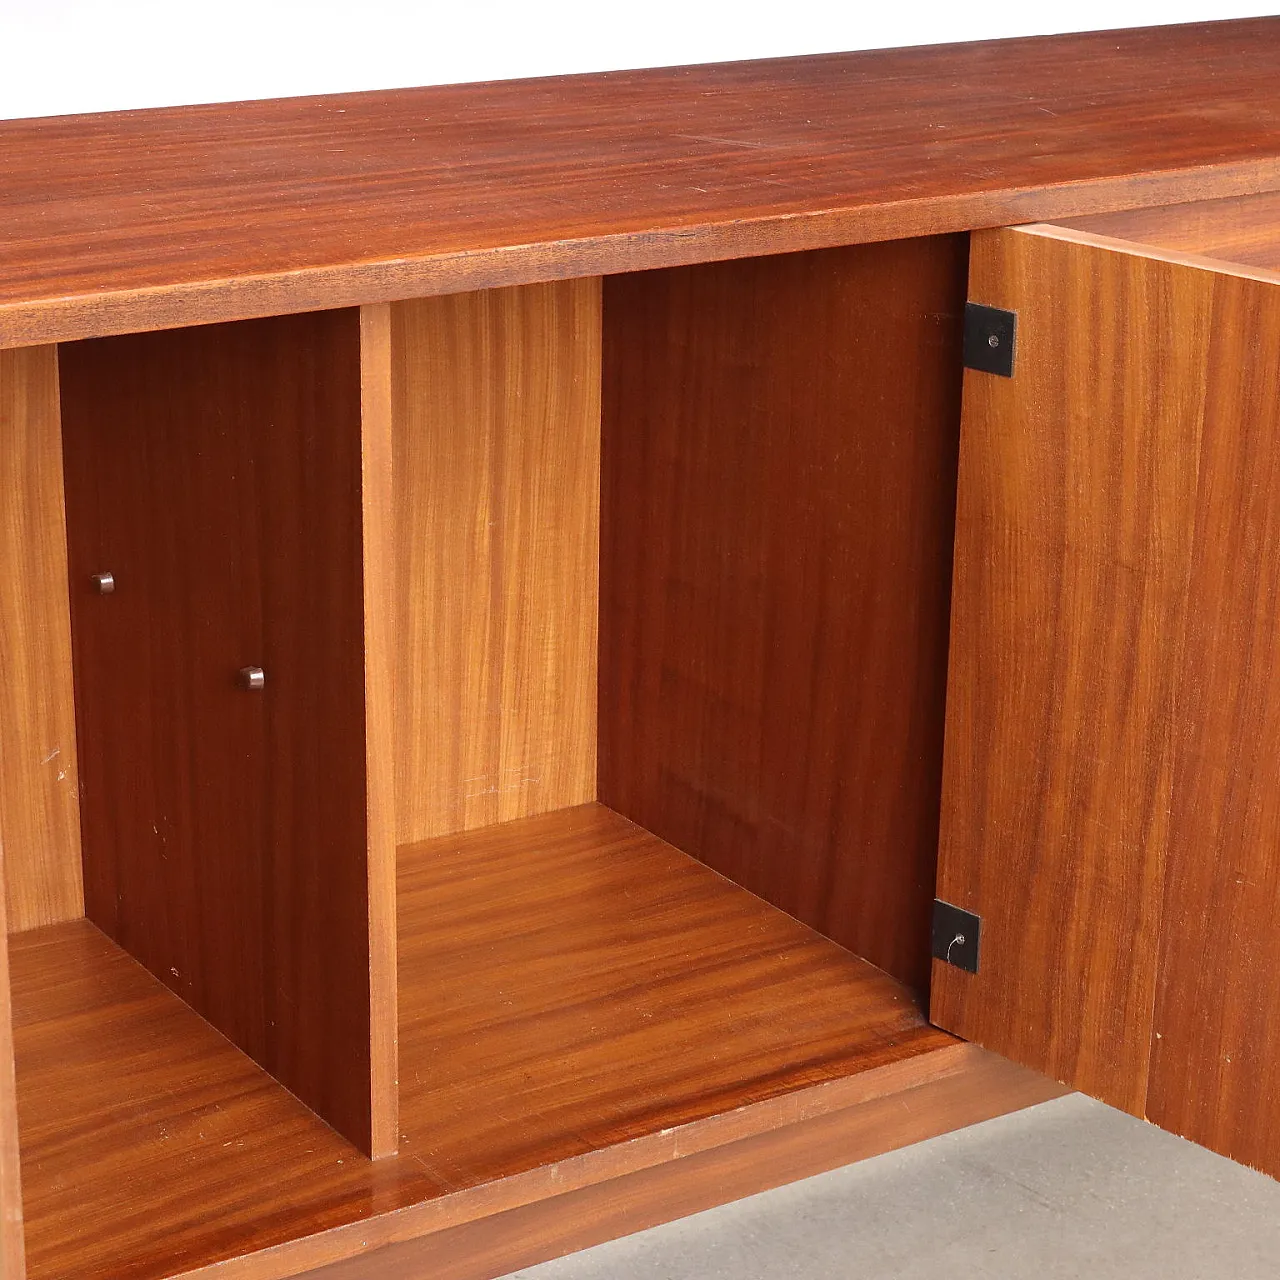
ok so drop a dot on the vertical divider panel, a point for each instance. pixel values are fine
(12, 1264)
(235, 480)
(378, 506)
(39, 802)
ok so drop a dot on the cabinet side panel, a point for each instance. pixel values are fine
(778, 490)
(1076, 495)
(39, 801)
(496, 400)
(1215, 1067)
(217, 473)
(12, 1264)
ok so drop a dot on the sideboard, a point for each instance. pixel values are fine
(489, 756)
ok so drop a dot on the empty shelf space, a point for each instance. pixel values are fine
(150, 1144)
(568, 983)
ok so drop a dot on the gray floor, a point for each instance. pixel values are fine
(1067, 1189)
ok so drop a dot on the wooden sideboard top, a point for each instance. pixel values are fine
(147, 219)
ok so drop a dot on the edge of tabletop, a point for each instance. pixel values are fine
(324, 286)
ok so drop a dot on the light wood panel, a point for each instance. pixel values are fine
(780, 440)
(126, 221)
(39, 803)
(496, 404)
(580, 1003)
(12, 1261)
(217, 472)
(1215, 1073)
(377, 501)
(1074, 530)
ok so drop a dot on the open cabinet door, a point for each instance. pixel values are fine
(1111, 790)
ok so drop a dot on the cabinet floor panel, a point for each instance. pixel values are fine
(580, 1003)
(570, 982)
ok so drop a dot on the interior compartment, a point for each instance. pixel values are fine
(568, 983)
(668, 549)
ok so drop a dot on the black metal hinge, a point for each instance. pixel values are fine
(989, 336)
(955, 935)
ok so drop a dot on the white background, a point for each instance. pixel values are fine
(61, 56)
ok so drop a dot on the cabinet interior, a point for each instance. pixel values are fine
(603, 626)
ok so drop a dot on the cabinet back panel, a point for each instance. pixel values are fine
(496, 411)
(779, 452)
(39, 804)
(216, 472)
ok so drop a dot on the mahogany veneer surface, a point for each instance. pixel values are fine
(1073, 524)
(1111, 796)
(216, 472)
(138, 220)
(1215, 1076)
(572, 989)
(779, 467)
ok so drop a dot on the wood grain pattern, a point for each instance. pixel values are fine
(579, 1003)
(39, 805)
(1077, 479)
(497, 439)
(1244, 230)
(547, 1229)
(528, 930)
(12, 1249)
(1215, 1073)
(217, 473)
(1114, 743)
(378, 545)
(779, 458)
(123, 222)
(150, 1144)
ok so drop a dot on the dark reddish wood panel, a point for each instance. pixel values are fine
(129, 221)
(779, 455)
(216, 472)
